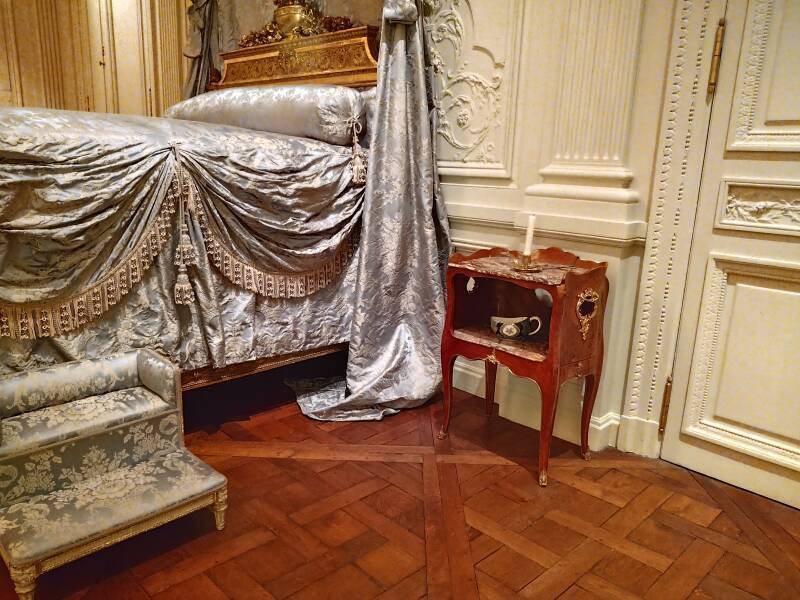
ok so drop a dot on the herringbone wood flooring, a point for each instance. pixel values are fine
(366, 510)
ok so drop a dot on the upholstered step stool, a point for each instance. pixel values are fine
(92, 453)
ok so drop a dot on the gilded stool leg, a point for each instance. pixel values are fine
(220, 505)
(24, 579)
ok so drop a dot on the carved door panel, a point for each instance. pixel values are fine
(735, 411)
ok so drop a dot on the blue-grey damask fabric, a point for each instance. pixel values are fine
(78, 189)
(399, 308)
(400, 11)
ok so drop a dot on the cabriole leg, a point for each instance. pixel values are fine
(589, 395)
(24, 579)
(220, 506)
(549, 399)
(447, 391)
(491, 377)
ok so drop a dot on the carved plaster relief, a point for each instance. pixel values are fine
(766, 115)
(765, 206)
(473, 80)
(747, 299)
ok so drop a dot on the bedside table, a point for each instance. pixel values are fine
(569, 343)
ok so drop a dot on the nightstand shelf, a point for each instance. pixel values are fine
(568, 295)
(484, 336)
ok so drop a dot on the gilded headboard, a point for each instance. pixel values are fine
(345, 57)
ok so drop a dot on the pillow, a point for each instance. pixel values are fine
(322, 112)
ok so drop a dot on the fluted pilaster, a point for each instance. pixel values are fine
(594, 102)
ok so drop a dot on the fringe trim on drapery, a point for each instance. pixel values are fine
(271, 284)
(47, 319)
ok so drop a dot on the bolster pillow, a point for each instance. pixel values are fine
(321, 112)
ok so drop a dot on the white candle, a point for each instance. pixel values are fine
(529, 235)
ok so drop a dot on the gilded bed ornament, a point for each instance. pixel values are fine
(294, 19)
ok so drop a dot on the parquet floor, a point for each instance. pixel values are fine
(385, 510)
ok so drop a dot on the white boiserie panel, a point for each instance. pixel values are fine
(785, 81)
(743, 378)
(133, 95)
(733, 413)
(757, 359)
(766, 113)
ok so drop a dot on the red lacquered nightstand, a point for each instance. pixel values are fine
(569, 343)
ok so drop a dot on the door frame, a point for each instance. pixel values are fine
(685, 118)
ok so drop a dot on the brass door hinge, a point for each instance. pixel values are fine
(716, 58)
(662, 420)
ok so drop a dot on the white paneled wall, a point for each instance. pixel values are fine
(551, 107)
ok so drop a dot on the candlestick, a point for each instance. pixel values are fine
(529, 235)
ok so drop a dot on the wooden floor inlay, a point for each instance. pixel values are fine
(386, 510)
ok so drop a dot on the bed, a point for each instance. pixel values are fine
(204, 175)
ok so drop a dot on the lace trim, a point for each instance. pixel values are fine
(47, 319)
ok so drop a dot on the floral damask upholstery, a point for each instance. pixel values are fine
(66, 382)
(79, 417)
(38, 527)
(92, 452)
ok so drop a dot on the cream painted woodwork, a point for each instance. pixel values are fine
(45, 54)
(734, 413)
(670, 224)
(102, 57)
(127, 47)
(137, 62)
(549, 109)
(10, 92)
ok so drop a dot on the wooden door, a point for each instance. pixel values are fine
(735, 412)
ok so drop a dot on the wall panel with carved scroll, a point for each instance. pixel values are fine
(474, 55)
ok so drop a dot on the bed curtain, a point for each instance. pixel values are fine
(394, 358)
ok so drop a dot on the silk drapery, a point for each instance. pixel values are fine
(398, 316)
(79, 191)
